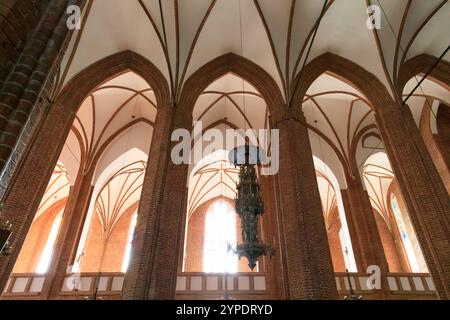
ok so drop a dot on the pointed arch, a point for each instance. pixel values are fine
(347, 71)
(240, 66)
(108, 68)
(422, 64)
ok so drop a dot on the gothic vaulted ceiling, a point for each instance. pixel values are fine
(273, 34)
(276, 36)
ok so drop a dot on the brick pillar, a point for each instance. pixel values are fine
(184, 226)
(309, 269)
(69, 234)
(270, 234)
(30, 80)
(443, 136)
(423, 190)
(152, 272)
(438, 145)
(28, 187)
(366, 240)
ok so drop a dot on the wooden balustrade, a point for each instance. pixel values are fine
(25, 285)
(221, 286)
(77, 286)
(398, 283)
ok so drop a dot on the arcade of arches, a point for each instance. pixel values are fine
(99, 209)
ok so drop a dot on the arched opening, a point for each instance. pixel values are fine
(344, 134)
(399, 240)
(337, 117)
(116, 122)
(335, 220)
(212, 224)
(106, 235)
(104, 158)
(228, 103)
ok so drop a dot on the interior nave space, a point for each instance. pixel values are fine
(353, 98)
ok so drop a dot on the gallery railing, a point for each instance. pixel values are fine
(202, 285)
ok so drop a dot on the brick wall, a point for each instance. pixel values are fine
(37, 238)
(443, 141)
(438, 145)
(443, 126)
(390, 246)
(104, 252)
(335, 242)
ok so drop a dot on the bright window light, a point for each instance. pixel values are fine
(220, 232)
(126, 258)
(407, 244)
(44, 261)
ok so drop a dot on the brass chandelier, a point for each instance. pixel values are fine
(249, 204)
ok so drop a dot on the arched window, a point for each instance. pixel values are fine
(126, 258)
(47, 253)
(220, 232)
(407, 244)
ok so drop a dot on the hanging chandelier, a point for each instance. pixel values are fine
(249, 205)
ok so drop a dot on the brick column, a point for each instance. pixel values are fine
(309, 269)
(30, 80)
(423, 190)
(28, 187)
(438, 145)
(152, 272)
(184, 226)
(270, 234)
(366, 240)
(69, 234)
